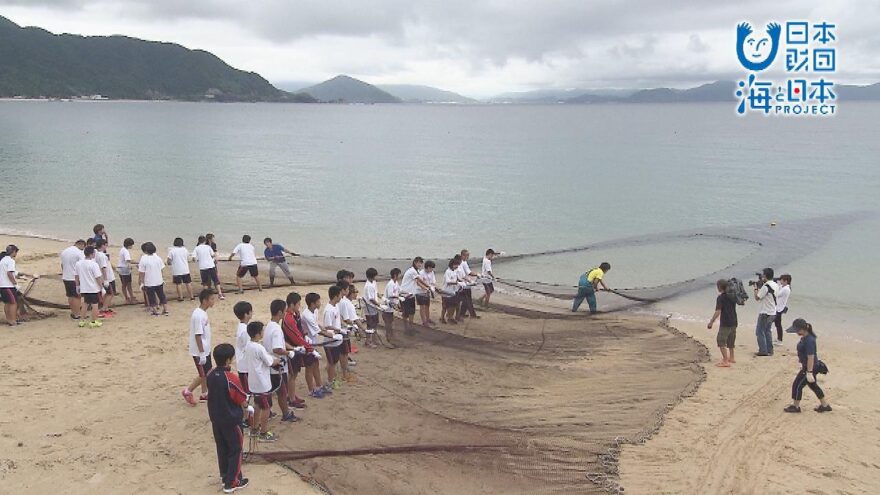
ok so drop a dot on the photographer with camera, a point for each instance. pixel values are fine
(765, 293)
(782, 304)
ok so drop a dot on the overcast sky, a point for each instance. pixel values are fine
(476, 47)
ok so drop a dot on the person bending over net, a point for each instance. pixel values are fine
(588, 285)
(274, 254)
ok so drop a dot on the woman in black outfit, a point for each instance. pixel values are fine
(806, 377)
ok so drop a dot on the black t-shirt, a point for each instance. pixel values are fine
(728, 310)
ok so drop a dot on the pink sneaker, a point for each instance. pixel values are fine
(188, 397)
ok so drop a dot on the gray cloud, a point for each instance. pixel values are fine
(572, 42)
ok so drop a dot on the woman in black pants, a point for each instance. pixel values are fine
(806, 377)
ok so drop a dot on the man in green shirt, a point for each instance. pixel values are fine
(588, 285)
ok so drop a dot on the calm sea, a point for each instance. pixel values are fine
(402, 180)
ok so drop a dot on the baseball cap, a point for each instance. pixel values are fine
(798, 324)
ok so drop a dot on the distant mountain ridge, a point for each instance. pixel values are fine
(37, 63)
(415, 93)
(346, 89)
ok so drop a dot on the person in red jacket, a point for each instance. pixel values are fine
(293, 335)
(226, 403)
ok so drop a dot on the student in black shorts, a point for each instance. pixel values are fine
(725, 310)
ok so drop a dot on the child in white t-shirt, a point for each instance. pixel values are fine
(205, 256)
(244, 311)
(273, 341)
(89, 284)
(333, 329)
(109, 278)
(248, 255)
(259, 362)
(427, 285)
(311, 330)
(123, 267)
(150, 278)
(371, 306)
(351, 324)
(178, 259)
(392, 302)
(200, 346)
(487, 273)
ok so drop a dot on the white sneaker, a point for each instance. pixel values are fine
(777, 342)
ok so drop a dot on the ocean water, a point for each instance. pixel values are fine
(400, 180)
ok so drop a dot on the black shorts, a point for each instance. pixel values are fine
(209, 276)
(408, 306)
(70, 288)
(126, 279)
(203, 369)
(490, 288)
(91, 297)
(242, 378)
(261, 401)
(111, 289)
(243, 270)
(450, 301)
(372, 321)
(423, 300)
(345, 347)
(333, 354)
(182, 279)
(8, 295)
(156, 293)
(309, 360)
(296, 364)
(278, 380)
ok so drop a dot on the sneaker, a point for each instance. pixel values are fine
(317, 393)
(777, 343)
(82, 323)
(792, 409)
(238, 485)
(96, 324)
(289, 418)
(272, 414)
(352, 362)
(298, 404)
(222, 297)
(268, 437)
(74, 317)
(188, 397)
(350, 379)
(337, 383)
(822, 409)
(327, 389)
(762, 354)
(203, 398)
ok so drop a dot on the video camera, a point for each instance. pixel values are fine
(757, 283)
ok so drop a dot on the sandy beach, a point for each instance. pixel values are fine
(540, 403)
(733, 437)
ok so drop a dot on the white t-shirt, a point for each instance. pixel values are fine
(7, 264)
(768, 305)
(103, 262)
(450, 280)
(310, 319)
(371, 295)
(247, 254)
(69, 257)
(392, 288)
(332, 322)
(273, 338)
(204, 255)
(124, 258)
(151, 265)
(258, 362)
(241, 340)
(109, 274)
(782, 297)
(427, 277)
(179, 261)
(464, 268)
(88, 273)
(408, 283)
(199, 325)
(347, 311)
(487, 267)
